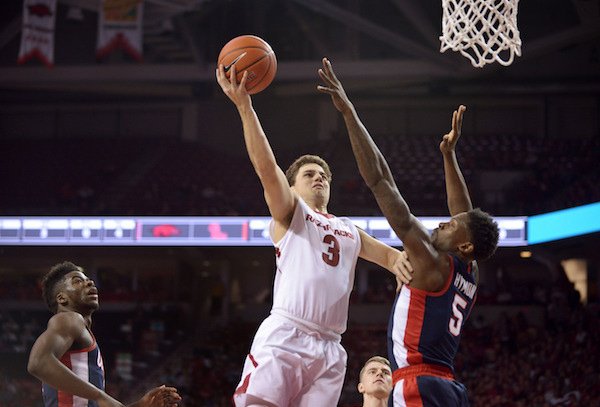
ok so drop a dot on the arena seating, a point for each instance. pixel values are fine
(147, 341)
(507, 175)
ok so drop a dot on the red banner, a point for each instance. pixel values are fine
(37, 39)
(120, 26)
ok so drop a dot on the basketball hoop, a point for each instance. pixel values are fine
(485, 31)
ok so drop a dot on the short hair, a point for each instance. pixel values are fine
(51, 281)
(379, 359)
(293, 169)
(484, 234)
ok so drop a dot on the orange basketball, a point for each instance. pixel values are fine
(252, 54)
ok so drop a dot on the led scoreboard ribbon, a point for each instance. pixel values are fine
(191, 231)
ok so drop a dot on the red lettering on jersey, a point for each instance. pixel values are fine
(327, 228)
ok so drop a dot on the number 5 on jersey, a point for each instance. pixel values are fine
(458, 306)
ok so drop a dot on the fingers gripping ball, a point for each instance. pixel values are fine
(252, 54)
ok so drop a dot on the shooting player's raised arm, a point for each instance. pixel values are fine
(278, 195)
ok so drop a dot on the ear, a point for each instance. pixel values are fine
(466, 248)
(361, 388)
(61, 299)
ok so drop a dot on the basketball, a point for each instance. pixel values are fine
(253, 54)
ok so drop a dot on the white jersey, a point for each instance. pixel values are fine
(316, 259)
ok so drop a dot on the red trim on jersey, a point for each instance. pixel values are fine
(447, 284)
(252, 360)
(65, 399)
(409, 374)
(423, 369)
(412, 396)
(327, 215)
(88, 349)
(414, 325)
(244, 387)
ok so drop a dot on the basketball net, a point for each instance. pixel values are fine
(482, 30)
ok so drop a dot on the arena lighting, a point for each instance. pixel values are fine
(525, 254)
(191, 231)
(565, 223)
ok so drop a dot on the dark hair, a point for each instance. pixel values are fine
(484, 234)
(51, 281)
(291, 172)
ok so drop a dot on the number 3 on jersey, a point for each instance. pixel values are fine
(332, 255)
(458, 306)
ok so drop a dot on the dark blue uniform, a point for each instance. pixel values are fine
(423, 336)
(87, 365)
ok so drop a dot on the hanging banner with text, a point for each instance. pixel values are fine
(37, 38)
(120, 26)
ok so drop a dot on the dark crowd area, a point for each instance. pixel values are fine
(510, 175)
(539, 350)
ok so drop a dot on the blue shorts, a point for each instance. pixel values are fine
(428, 391)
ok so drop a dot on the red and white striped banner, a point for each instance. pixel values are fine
(120, 26)
(37, 39)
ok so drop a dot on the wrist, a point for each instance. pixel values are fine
(347, 110)
(100, 395)
(245, 109)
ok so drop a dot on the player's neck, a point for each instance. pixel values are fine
(317, 205)
(465, 259)
(372, 401)
(320, 209)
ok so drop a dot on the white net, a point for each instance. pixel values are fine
(485, 31)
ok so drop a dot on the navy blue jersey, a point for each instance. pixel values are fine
(425, 327)
(87, 365)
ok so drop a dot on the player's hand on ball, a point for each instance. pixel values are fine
(234, 91)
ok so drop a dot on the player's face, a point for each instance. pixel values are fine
(80, 291)
(376, 380)
(449, 235)
(312, 182)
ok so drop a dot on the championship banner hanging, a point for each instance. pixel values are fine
(37, 37)
(120, 26)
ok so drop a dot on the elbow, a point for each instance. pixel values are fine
(377, 174)
(265, 169)
(375, 182)
(373, 178)
(34, 367)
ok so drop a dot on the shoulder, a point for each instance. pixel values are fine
(68, 317)
(67, 322)
(301, 204)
